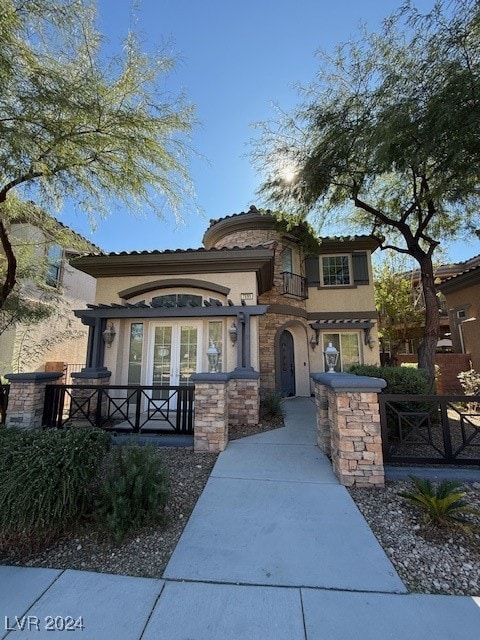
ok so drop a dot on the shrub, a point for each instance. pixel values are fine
(470, 381)
(443, 505)
(401, 380)
(135, 491)
(272, 406)
(45, 481)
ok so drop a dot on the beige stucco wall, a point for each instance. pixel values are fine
(468, 299)
(238, 283)
(348, 298)
(60, 338)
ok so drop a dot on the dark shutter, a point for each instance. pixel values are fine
(360, 268)
(312, 270)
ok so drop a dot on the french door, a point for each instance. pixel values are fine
(175, 353)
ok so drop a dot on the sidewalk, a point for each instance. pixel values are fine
(275, 549)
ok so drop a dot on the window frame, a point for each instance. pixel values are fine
(350, 270)
(340, 365)
(54, 266)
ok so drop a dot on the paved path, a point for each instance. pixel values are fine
(275, 549)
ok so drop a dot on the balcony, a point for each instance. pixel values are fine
(294, 285)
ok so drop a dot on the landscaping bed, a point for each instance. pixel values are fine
(428, 560)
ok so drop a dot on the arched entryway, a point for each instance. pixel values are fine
(287, 364)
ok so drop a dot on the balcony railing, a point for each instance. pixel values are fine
(294, 285)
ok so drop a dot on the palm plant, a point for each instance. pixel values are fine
(444, 504)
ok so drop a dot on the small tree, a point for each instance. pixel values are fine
(400, 310)
(390, 126)
(74, 125)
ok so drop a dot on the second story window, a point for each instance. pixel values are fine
(287, 260)
(54, 266)
(335, 271)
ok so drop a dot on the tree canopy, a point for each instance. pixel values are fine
(74, 124)
(390, 126)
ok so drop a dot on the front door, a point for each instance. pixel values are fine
(287, 364)
(174, 355)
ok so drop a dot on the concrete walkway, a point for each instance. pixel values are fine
(275, 549)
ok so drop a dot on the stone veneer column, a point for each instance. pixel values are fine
(211, 412)
(348, 416)
(26, 398)
(88, 377)
(243, 398)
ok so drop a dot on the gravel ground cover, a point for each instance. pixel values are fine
(428, 561)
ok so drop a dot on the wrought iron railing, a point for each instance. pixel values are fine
(121, 408)
(430, 429)
(294, 285)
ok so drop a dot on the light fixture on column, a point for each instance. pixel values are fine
(313, 341)
(331, 357)
(109, 334)
(233, 333)
(212, 355)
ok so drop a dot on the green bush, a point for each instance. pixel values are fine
(444, 504)
(272, 406)
(45, 481)
(135, 491)
(401, 380)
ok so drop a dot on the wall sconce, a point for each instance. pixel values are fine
(331, 357)
(369, 340)
(314, 341)
(109, 334)
(233, 333)
(212, 355)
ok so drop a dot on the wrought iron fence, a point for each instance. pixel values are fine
(121, 408)
(4, 390)
(430, 429)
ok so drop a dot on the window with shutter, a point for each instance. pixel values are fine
(360, 268)
(312, 270)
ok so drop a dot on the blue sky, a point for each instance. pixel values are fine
(235, 60)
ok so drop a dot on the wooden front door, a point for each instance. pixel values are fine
(287, 364)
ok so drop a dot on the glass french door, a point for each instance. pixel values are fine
(175, 354)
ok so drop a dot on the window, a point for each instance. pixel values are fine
(135, 353)
(287, 260)
(335, 271)
(177, 300)
(348, 347)
(54, 265)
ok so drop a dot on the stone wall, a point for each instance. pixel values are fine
(211, 412)
(243, 401)
(27, 398)
(348, 427)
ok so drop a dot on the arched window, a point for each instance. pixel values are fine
(177, 300)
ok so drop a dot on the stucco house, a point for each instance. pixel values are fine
(249, 300)
(62, 338)
(462, 300)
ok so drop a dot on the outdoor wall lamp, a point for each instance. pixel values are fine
(109, 334)
(369, 340)
(331, 357)
(233, 333)
(313, 341)
(212, 355)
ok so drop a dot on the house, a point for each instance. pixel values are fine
(462, 299)
(248, 300)
(61, 339)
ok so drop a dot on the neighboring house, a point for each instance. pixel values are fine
(250, 299)
(462, 297)
(61, 338)
(446, 342)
